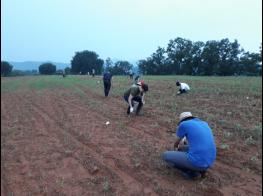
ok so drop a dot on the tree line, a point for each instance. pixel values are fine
(180, 57)
(185, 57)
(82, 63)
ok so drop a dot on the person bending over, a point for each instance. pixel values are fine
(184, 88)
(194, 158)
(135, 93)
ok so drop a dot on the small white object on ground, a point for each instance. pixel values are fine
(107, 123)
(95, 170)
(247, 97)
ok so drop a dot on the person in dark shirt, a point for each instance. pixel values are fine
(131, 75)
(107, 83)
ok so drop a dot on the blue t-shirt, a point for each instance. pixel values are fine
(202, 148)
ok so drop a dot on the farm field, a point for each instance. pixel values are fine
(54, 140)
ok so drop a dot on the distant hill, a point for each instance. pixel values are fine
(33, 65)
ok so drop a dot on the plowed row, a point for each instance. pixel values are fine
(57, 143)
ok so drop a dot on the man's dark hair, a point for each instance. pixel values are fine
(177, 83)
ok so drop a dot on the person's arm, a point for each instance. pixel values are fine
(177, 142)
(180, 89)
(181, 133)
(130, 102)
(143, 101)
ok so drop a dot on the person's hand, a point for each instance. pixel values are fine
(131, 109)
(175, 147)
(184, 141)
(143, 102)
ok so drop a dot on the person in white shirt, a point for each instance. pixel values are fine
(184, 88)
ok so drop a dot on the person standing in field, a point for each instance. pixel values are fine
(131, 75)
(183, 87)
(194, 158)
(107, 82)
(135, 93)
(93, 72)
(63, 74)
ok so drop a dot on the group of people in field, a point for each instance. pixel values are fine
(194, 149)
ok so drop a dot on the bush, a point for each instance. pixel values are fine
(17, 73)
(6, 68)
(47, 69)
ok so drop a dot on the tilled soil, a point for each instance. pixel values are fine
(57, 143)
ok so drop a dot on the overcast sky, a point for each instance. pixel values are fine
(54, 30)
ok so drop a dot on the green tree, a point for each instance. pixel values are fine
(183, 56)
(196, 60)
(67, 70)
(47, 68)
(228, 57)
(179, 54)
(146, 66)
(142, 65)
(250, 64)
(159, 64)
(108, 64)
(210, 58)
(85, 61)
(121, 68)
(6, 68)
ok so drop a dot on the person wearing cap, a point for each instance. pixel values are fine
(199, 154)
(183, 87)
(136, 93)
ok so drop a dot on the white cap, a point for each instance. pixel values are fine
(185, 115)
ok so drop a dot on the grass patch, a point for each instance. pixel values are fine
(106, 186)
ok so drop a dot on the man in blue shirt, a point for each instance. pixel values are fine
(199, 154)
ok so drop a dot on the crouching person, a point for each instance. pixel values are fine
(194, 158)
(135, 93)
(183, 87)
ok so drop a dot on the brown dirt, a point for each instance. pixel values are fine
(56, 143)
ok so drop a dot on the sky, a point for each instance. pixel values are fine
(53, 30)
